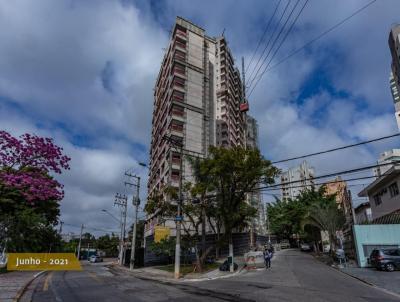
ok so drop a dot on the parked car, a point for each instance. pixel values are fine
(284, 244)
(95, 258)
(385, 259)
(305, 247)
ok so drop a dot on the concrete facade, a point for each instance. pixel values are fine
(369, 237)
(363, 213)
(296, 179)
(197, 98)
(394, 45)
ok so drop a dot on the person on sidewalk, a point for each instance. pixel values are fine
(267, 258)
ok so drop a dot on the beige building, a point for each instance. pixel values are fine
(343, 196)
(197, 100)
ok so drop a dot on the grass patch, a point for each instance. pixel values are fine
(188, 268)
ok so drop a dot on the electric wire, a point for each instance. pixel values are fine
(336, 149)
(277, 49)
(263, 35)
(321, 35)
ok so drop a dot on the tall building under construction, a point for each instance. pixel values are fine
(198, 103)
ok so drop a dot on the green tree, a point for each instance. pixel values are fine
(325, 214)
(108, 244)
(235, 172)
(165, 247)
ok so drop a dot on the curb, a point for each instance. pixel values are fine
(361, 280)
(370, 284)
(181, 280)
(25, 286)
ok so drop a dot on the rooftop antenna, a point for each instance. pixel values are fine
(223, 33)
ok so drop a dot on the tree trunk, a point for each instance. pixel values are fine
(231, 266)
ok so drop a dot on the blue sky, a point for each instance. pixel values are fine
(83, 73)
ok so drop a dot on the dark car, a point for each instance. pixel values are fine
(385, 259)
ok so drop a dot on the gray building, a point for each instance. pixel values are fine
(296, 179)
(383, 193)
(394, 45)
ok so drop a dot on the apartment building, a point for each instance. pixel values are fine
(338, 187)
(394, 45)
(387, 157)
(296, 179)
(198, 102)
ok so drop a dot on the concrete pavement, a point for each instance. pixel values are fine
(294, 276)
(13, 283)
(386, 280)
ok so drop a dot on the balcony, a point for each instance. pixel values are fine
(180, 44)
(179, 56)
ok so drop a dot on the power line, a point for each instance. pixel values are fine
(321, 35)
(251, 79)
(280, 45)
(330, 175)
(263, 35)
(322, 183)
(336, 149)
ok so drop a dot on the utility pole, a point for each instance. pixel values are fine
(80, 241)
(122, 201)
(135, 202)
(61, 224)
(179, 145)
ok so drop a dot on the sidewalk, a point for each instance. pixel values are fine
(161, 275)
(382, 279)
(13, 283)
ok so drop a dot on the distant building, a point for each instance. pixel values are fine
(363, 213)
(383, 193)
(296, 179)
(386, 157)
(394, 45)
(343, 196)
(69, 236)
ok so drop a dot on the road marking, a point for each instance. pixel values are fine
(46, 282)
(94, 276)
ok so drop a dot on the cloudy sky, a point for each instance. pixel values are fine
(83, 73)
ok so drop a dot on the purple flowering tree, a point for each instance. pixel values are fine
(26, 164)
(29, 193)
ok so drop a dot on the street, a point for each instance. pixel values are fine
(294, 276)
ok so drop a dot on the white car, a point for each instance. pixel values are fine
(95, 258)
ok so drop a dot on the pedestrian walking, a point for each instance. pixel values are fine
(267, 258)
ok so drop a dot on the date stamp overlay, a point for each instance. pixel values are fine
(43, 261)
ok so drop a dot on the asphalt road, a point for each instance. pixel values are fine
(294, 276)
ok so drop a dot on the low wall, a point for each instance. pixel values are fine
(241, 245)
(371, 236)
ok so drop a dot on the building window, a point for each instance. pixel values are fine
(377, 199)
(393, 189)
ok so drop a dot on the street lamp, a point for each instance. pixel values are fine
(121, 235)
